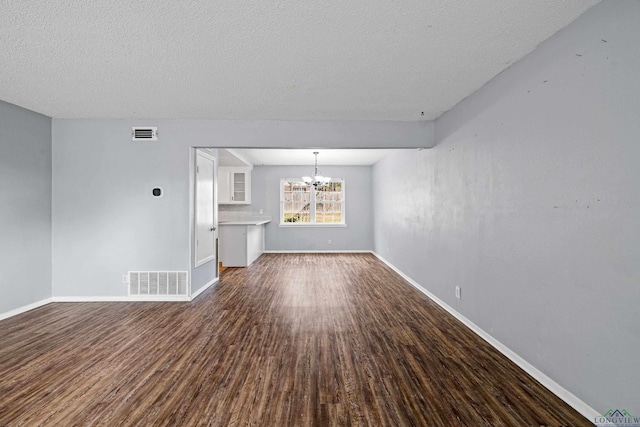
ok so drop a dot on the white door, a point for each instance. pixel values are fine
(204, 225)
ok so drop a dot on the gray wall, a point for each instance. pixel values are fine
(530, 203)
(265, 194)
(105, 221)
(25, 207)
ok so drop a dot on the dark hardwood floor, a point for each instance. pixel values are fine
(293, 340)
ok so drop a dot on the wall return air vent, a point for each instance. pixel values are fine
(149, 133)
(158, 283)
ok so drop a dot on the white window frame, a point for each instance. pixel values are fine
(312, 207)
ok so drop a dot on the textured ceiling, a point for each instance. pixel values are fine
(278, 59)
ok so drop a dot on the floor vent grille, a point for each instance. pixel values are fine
(162, 283)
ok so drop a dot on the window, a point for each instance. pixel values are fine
(302, 204)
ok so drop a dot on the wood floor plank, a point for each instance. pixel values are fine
(292, 340)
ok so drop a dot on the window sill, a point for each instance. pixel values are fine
(309, 225)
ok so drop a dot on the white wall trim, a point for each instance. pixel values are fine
(320, 252)
(583, 408)
(24, 308)
(132, 298)
(204, 288)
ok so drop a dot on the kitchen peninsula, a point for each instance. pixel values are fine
(241, 240)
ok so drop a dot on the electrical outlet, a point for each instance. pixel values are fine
(125, 278)
(261, 211)
(329, 242)
(458, 292)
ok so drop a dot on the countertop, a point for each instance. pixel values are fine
(245, 222)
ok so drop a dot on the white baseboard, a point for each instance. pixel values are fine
(136, 298)
(204, 288)
(587, 411)
(320, 252)
(132, 298)
(24, 308)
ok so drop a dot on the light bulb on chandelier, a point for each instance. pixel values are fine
(316, 179)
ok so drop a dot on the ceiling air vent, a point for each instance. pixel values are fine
(144, 133)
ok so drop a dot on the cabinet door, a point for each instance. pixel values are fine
(239, 187)
(233, 245)
(234, 185)
(224, 186)
(247, 187)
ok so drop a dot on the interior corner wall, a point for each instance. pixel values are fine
(25, 207)
(530, 203)
(356, 236)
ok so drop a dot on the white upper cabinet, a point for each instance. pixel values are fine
(234, 185)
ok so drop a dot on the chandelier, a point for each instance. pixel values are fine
(316, 179)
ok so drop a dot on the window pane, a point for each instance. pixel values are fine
(329, 203)
(296, 202)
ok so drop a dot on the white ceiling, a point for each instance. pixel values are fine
(296, 157)
(278, 59)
